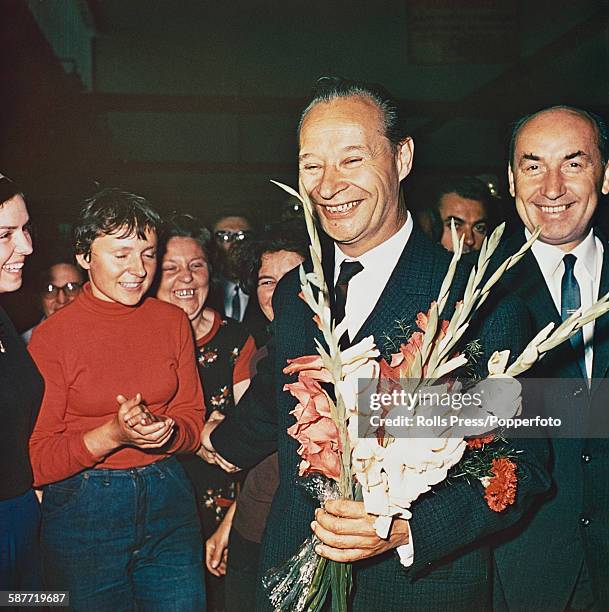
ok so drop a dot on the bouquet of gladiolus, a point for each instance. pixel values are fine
(388, 469)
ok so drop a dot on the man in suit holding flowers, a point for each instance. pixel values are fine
(353, 155)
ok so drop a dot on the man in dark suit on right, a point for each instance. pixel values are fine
(558, 559)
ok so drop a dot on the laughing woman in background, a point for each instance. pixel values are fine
(223, 352)
(21, 390)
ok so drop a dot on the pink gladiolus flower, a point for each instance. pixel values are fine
(401, 363)
(422, 320)
(310, 366)
(314, 429)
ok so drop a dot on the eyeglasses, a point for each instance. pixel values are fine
(69, 290)
(225, 236)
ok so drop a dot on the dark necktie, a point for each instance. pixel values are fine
(570, 301)
(348, 269)
(236, 314)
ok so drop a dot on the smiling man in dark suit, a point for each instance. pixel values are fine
(353, 155)
(558, 559)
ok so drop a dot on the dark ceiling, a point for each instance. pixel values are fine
(194, 103)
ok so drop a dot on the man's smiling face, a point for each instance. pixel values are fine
(352, 173)
(557, 176)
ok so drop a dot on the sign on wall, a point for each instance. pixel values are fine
(465, 32)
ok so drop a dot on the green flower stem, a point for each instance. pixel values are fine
(341, 582)
(319, 587)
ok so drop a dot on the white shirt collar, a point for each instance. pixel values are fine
(385, 254)
(549, 257)
(587, 270)
(366, 287)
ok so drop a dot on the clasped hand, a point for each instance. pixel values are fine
(135, 425)
(206, 450)
(347, 532)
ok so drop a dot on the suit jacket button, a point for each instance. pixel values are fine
(584, 520)
(586, 458)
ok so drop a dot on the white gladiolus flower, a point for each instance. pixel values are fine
(498, 362)
(363, 379)
(394, 476)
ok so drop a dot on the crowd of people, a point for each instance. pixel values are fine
(145, 461)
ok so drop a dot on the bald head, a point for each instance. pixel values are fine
(597, 123)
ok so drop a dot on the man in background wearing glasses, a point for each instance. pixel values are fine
(230, 232)
(59, 285)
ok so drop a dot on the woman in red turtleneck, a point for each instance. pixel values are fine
(122, 396)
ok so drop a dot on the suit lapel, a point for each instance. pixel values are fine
(410, 280)
(601, 327)
(534, 290)
(527, 281)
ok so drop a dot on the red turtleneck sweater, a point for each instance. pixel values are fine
(91, 351)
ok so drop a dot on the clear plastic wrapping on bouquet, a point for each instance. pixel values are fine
(301, 582)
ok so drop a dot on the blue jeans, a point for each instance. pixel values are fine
(19, 550)
(124, 540)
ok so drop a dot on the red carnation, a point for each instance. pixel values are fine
(476, 443)
(501, 490)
